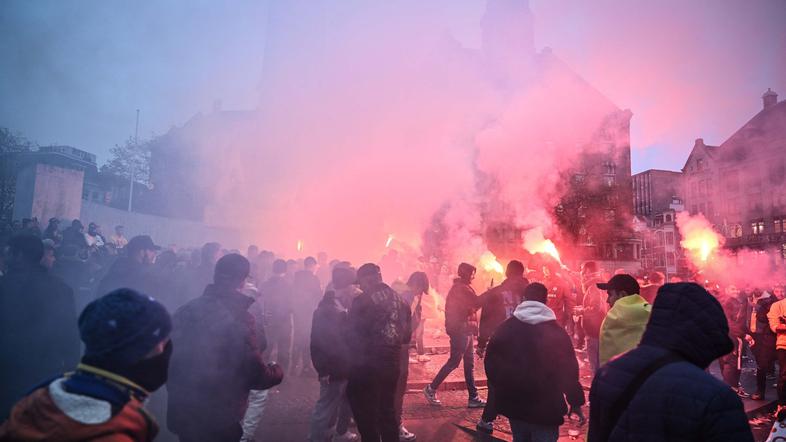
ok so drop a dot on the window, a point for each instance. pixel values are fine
(668, 218)
(757, 227)
(693, 209)
(732, 181)
(669, 238)
(609, 168)
(700, 164)
(736, 231)
(710, 209)
(670, 261)
(609, 180)
(779, 224)
(783, 251)
(702, 208)
(659, 236)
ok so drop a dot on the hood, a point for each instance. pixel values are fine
(534, 312)
(689, 321)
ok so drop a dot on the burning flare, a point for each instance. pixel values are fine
(390, 240)
(300, 245)
(535, 242)
(699, 238)
(490, 264)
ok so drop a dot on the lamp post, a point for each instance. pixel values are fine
(132, 163)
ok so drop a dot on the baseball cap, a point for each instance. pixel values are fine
(621, 282)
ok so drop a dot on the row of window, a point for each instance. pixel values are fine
(758, 227)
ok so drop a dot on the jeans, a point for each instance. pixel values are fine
(401, 385)
(256, 406)
(593, 353)
(461, 346)
(372, 395)
(332, 408)
(526, 432)
(279, 338)
(729, 365)
(764, 353)
(781, 354)
(490, 410)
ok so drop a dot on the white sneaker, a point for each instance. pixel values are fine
(423, 358)
(404, 435)
(346, 437)
(413, 360)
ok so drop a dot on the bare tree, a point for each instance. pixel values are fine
(11, 145)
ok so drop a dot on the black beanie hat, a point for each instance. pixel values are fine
(121, 328)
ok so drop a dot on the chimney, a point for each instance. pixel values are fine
(770, 98)
(699, 142)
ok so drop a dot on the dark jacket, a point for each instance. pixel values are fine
(736, 311)
(499, 303)
(680, 401)
(329, 350)
(276, 294)
(379, 324)
(461, 306)
(532, 366)
(39, 338)
(128, 273)
(215, 362)
(757, 317)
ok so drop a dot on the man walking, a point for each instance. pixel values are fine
(379, 325)
(461, 324)
(532, 367)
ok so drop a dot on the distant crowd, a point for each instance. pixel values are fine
(208, 323)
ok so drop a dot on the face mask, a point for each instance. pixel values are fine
(151, 373)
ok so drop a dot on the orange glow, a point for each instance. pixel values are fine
(698, 238)
(490, 264)
(390, 240)
(534, 242)
(300, 245)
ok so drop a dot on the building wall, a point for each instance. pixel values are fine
(654, 190)
(46, 191)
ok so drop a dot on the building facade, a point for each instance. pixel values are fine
(739, 185)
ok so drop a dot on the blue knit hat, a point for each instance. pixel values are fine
(122, 327)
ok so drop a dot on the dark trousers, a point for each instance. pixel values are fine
(230, 432)
(764, 353)
(729, 365)
(279, 339)
(490, 410)
(461, 347)
(401, 385)
(301, 348)
(372, 396)
(781, 355)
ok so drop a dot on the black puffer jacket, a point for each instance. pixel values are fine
(680, 401)
(498, 305)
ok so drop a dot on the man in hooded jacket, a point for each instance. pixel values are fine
(660, 390)
(532, 366)
(217, 359)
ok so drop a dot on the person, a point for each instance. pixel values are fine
(306, 294)
(593, 311)
(74, 235)
(49, 258)
(417, 286)
(331, 357)
(650, 290)
(560, 300)
(119, 239)
(217, 359)
(379, 325)
(661, 391)
(626, 319)
(532, 366)
(200, 276)
(133, 271)
(763, 339)
(735, 307)
(777, 322)
(93, 237)
(126, 357)
(30, 227)
(276, 294)
(461, 325)
(499, 305)
(52, 231)
(38, 334)
(75, 273)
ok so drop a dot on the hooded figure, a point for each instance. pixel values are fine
(532, 367)
(675, 399)
(127, 350)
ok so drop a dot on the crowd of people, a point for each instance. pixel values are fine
(208, 323)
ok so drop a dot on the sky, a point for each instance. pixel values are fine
(74, 72)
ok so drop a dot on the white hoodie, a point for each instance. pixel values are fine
(534, 312)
